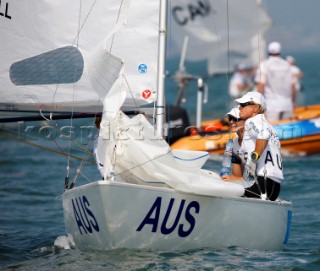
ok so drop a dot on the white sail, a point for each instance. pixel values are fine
(68, 54)
(225, 32)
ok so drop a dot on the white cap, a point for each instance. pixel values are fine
(290, 59)
(274, 48)
(235, 112)
(253, 96)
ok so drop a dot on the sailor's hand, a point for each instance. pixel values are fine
(231, 178)
(251, 168)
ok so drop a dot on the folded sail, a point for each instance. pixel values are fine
(66, 55)
(225, 32)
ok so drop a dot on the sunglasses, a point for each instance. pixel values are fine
(246, 104)
(231, 118)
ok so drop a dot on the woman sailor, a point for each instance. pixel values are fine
(236, 125)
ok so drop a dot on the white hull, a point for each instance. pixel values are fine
(107, 215)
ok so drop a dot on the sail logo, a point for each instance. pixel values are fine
(63, 65)
(4, 11)
(183, 14)
(142, 68)
(146, 93)
(184, 229)
(85, 218)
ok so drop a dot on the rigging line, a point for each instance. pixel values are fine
(71, 123)
(84, 22)
(168, 93)
(78, 171)
(113, 35)
(41, 147)
(258, 33)
(228, 37)
(228, 51)
(79, 23)
(35, 138)
(259, 47)
(85, 177)
(84, 159)
(75, 41)
(62, 134)
(136, 166)
(130, 91)
(246, 189)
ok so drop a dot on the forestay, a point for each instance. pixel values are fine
(70, 70)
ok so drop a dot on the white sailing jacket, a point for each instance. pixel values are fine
(270, 161)
(277, 76)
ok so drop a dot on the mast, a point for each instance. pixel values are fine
(160, 104)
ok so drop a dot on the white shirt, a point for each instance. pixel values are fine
(238, 79)
(296, 72)
(270, 160)
(276, 75)
(236, 149)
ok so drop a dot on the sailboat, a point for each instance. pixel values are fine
(109, 56)
(223, 34)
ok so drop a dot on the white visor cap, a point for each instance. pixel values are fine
(254, 97)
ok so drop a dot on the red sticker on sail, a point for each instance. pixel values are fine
(146, 93)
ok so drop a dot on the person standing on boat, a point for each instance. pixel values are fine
(240, 82)
(276, 82)
(298, 74)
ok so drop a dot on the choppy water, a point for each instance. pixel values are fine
(31, 217)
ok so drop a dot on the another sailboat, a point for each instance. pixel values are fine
(84, 55)
(223, 34)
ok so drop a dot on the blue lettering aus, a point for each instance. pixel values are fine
(153, 217)
(182, 15)
(84, 217)
(4, 11)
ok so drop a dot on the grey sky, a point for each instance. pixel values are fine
(295, 23)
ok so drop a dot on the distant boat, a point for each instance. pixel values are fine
(83, 55)
(299, 136)
(224, 44)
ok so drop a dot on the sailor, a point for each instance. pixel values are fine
(261, 149)
(276, 82)
(240, 82)
(236, 125)
(298, 74)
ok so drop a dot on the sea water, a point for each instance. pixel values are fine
(31, 216)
